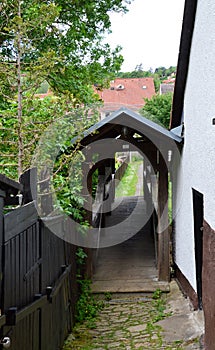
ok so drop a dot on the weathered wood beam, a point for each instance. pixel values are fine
(163, 232)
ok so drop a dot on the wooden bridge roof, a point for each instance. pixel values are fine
(112, 125)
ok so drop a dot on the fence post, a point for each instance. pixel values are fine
(163, 226)
(29, 181)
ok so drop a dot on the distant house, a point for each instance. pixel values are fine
(170, 80)
(128, 93)
(166, 88)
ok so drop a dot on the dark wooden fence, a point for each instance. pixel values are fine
(38, 276)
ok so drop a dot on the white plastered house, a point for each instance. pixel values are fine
(193, 117)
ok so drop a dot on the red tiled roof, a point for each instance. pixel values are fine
(169, 81)
(128, 92)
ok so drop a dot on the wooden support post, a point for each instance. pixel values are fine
(87, 194)
(89, 197)
(87, 188)
(163, 232)
(147, 189)
(108, 179)
(144, 179)
(113, 183)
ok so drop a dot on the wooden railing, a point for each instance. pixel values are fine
(121, 171)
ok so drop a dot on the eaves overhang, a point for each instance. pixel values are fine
(130, 119)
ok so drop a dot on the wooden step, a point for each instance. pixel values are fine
(129, 286)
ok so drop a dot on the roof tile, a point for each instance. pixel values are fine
(129, 92)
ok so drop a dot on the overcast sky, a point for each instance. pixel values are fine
(149, 33)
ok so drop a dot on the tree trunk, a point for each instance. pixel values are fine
(19, 98)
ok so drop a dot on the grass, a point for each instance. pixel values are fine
(128, 184)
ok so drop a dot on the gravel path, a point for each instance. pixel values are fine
(138, 321)
(131, 323)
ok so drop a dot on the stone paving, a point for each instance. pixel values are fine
(135, 323)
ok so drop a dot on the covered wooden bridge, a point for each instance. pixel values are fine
(131, 246)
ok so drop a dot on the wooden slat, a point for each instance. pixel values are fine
(13, 271)
(17, 285)
(7, 281)
(23, 269)
(19, 220)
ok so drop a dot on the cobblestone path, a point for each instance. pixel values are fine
(126, 324)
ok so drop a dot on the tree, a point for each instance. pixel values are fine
(158, 108)
(71, 30)
(164, 73)
(21, 78)
(139, 67)
(57, 42)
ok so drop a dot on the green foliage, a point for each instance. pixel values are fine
(164, 73)
(43, 89)
(60, 40)
(160, 307)
(159, 304)
(37, 116)
(108, 296)
(135, 74)
(87, 307)
(157, 83)
(157, 294)
(151, 329)
(55, 153)
(136, 157)
(58, 44)
(158, 109)
(94, 183)
(80, 256)
(118, 163)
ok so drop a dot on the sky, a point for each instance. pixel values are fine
(149, 33)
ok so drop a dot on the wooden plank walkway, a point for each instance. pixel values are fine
(129, 266)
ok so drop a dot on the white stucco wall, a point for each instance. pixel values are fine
(197, 169)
